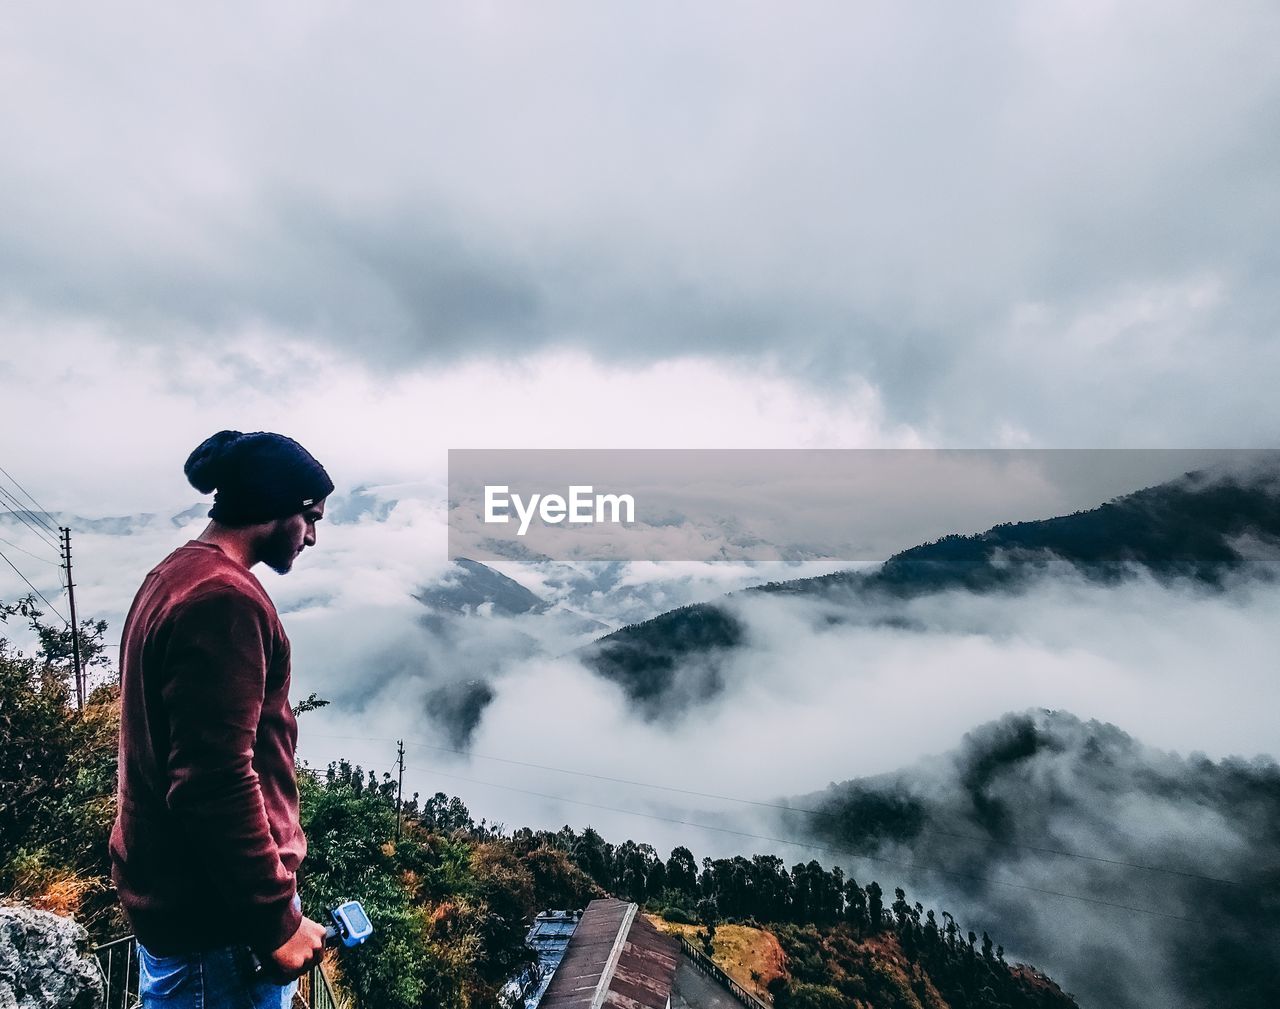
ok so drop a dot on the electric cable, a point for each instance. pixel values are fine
(34, 589)
(913, 866)
(34, 557)
(1042, 849)
(41, 509)
(21, 513)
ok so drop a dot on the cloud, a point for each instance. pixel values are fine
(990, 217)
(1001, 811)
(130, 414)
(814, 700)
(649, 227)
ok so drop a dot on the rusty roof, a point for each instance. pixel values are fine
(642, 979)
(616, 959)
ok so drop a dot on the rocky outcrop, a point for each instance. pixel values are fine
(46, 962)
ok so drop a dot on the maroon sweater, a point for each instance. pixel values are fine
(206, 840)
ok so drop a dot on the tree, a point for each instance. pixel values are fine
(309, 703)
(875, 906)
(708, 913)
(57, 775)
(682, 873)
(590, 855)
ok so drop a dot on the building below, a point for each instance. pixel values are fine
(548, 938)
(616, 959)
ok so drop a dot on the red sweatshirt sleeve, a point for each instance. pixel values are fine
(216, 661)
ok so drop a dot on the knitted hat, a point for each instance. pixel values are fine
(258, 477)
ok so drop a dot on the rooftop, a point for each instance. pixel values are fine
(615, 959)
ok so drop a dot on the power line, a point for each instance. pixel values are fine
(34, 557)
(1042, 849)
(915, 866)
(21, 513)
(41, 509)
(35, 590)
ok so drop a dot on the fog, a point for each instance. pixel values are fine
(1134, 876)
(806, 703)
(502, 711)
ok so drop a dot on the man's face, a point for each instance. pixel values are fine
(289, 537)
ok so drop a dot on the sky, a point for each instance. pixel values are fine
(447, 226)
(1033, 225)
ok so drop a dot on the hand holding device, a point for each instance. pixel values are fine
(305, 948)
(299, 954)
(350, 925)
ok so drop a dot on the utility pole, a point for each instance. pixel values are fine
(75, 627)
(400, 790)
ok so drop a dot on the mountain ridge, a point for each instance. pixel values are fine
(1201, 527)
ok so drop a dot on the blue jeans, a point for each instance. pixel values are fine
(213, 979)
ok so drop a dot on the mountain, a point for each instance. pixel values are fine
(111, 525)
(342, 508)
(470, 585)
(1206, 528)
(1200, 526)
(1063, 806)
(482, 622)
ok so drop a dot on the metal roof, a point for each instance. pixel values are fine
(615, 959)
(548, 938)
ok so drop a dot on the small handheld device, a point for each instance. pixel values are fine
(351, 926)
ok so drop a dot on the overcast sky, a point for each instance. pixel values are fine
(393, 231)
(628, 226)
(453, 225)
(620, 226)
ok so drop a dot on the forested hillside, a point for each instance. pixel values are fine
(1049, 800)
(1199, 528)
(451, 898)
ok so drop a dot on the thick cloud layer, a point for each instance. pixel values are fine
(1018, 223)
(1179, 667)
(1176, 856)
(588, 226)
(128, 416)
(812, 699)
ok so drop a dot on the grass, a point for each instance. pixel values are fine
(751, 956)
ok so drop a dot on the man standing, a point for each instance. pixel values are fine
(207, 840)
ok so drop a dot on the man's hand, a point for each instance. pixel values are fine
(302, 952)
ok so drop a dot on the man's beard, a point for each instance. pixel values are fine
(278, 551)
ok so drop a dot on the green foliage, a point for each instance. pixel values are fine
(350, 855)
(309, 703)
(807, 996)
(57, 776)
(644, 659)
(876, 968)
(451, 899)
(449, 909)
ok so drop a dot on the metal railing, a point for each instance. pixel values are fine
(118, 960)
(316, 991)
(712, 969)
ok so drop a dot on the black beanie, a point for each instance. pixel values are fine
(259, 476)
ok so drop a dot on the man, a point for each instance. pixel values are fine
(207, 839)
